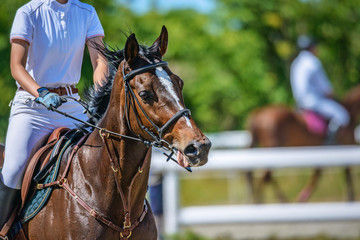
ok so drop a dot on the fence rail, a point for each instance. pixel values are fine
(246, 159)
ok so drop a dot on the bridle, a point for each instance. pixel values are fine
(131, 99)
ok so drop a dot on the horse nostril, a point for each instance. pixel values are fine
(191, 150)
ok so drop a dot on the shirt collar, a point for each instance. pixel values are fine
(58, 6)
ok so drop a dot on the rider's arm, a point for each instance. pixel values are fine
(18, 57)
(98, 61)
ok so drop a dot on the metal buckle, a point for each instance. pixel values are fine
(114, 169)
(62, 181)
(103, 133)
(4, 237)
(93, 212)
(126, 226)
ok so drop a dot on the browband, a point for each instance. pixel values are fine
(146, 68)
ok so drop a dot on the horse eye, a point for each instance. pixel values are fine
(145, 95)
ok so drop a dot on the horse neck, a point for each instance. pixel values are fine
(353, 112)
(129, 153)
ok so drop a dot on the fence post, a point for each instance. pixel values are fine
(171, 202)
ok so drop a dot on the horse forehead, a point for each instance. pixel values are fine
(165, 79)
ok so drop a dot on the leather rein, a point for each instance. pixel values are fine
(158, 141)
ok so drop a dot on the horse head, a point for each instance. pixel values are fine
(153, 104)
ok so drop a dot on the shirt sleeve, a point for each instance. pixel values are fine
(95, 29)
(323, 81)
(22, 27)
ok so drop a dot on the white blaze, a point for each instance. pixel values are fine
(166, 82)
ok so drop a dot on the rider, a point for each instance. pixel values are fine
(312, 89)
(47, 38)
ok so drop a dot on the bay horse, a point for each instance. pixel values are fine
(140, 106)
(280, 126)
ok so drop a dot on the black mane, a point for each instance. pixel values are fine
(98, 97)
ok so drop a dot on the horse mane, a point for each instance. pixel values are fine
(98, 96)
(353, 95)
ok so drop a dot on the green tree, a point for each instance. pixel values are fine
(7, 84)
(232, 60)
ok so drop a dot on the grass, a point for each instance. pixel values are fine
(213, 188)
(193, 236)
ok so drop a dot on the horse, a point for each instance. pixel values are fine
(281, 126)
(139, 106)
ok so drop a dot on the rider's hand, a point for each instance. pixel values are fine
(48, 99)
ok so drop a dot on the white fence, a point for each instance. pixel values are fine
(245, 159)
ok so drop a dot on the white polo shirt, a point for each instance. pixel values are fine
(309, 81)
(57, 34)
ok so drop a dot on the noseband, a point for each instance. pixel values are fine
(130, 99)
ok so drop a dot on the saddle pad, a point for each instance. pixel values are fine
(315, 123)
(40, 197)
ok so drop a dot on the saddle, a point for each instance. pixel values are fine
(43, 167)
(315, 123)
(40, 159)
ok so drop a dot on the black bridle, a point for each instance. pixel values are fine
(131, 99)
(157, 139)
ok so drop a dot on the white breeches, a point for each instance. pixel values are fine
(28, 123)
(333, 111)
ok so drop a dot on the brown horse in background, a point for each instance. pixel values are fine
(280, 126)
(139, 106)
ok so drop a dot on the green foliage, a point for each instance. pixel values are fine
(232, 60)
(7, 84)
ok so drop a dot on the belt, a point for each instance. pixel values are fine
(60, 90)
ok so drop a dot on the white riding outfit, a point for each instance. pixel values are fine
(311, 88)
(57, 34)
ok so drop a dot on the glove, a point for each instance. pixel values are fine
(48, 99)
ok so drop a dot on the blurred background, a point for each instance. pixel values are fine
(234, 56)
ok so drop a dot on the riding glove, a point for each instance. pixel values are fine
(48, 99)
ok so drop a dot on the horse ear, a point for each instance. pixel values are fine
(131, 49)
(161, 42)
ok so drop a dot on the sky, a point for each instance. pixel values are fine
(203, 6)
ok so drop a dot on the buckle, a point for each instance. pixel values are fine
(128, 236)
(94, 213)
(62, 181)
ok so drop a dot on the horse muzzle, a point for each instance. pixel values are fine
(196, 152)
